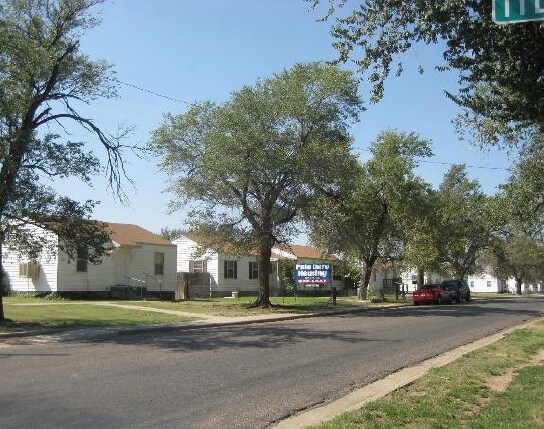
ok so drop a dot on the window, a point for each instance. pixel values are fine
(489, 283)
(29, 270)
(253, 270)
(159, 263)
(198, 266)
(472, 284)
(230, 269)
(82, 260)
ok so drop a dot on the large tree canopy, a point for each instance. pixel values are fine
(501, 67)
(367, 220)
(519, 256)
(44, 80)
(464, 223)
(253, 163)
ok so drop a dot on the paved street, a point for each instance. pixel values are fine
(235, 376)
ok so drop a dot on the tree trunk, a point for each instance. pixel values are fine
(518, 285)
(420, 277)
(366, 272)
(265, 252)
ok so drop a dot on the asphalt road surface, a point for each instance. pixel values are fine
(230, 377)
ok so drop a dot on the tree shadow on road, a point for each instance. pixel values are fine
(258, 336)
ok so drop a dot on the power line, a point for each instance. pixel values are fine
(466, 165)
(139, 88)
(156, 94)
(453, 163)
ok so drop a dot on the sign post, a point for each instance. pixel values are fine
(514, 11)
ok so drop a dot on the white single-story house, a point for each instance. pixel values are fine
(230, 273)
(483, 282)
(486, 282)
(135, 257)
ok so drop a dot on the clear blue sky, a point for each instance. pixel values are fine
(202, 50)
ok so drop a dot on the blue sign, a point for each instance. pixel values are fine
(313, 274)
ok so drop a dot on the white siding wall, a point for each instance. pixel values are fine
(242, 280)
(484, 283)
(141, 263)
(408, 277)
(186, 249)
(122, 264)
(525, 287)
(97, 278)
(47, 278)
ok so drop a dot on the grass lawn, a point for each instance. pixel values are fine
(36, 314)
(499, 386)
(239, 307)
(242, 306)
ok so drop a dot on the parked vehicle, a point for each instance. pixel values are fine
(431, 293)
(458, 289)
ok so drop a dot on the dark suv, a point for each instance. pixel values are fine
(458, 290)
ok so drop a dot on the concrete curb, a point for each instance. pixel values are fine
(380, 388)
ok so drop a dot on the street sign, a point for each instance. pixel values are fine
(514, 11)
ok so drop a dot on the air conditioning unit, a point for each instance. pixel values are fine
(29, 270)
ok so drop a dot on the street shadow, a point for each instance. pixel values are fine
(482, 307)
(257, 336)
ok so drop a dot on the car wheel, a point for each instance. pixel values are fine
(416, 303)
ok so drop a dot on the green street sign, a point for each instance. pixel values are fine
(513, 11)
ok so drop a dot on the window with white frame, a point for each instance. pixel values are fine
(198, 266)
(253, 270)
(489, 283)
(230, 269)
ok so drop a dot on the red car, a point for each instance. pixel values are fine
(432, 293)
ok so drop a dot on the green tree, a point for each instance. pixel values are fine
(519, 256)
(421, 235)
(500, 66)
(171, 233)
(44, 80)
(524, 192)
(254, 162)
(365, 221)
(464, 223)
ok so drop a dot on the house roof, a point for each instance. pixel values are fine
(126, 234)
(224, 247)
(305, 252)
(289, 251)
